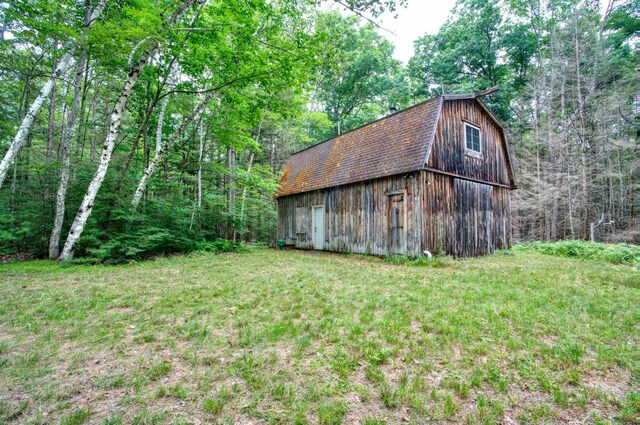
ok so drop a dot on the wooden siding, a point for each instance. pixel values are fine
(456, 203)
(357, 216)
(448, 150)
(464, 218)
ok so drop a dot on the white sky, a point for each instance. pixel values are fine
(418, 18)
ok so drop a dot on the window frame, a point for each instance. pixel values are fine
(470, 151)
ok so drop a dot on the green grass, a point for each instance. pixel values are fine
(611, 253)
(294, 337)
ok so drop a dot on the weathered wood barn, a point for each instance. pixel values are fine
(434, 177)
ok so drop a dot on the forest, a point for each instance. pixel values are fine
(136, 128)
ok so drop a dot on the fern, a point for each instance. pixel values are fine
(616, 254)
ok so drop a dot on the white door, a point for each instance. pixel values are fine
(318, 227)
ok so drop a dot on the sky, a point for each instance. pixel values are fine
(418, 18)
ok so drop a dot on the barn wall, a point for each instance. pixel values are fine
(464, 218)
(357, 216)
(448, 150)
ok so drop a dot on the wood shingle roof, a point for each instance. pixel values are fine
(395, 144)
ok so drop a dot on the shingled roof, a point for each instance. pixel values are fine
(395, 144)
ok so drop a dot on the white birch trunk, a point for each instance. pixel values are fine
(157, 157)
(86, 206)
(200, 166)
(103, 164)
(68, 135)
(21, 136)
(163, 109)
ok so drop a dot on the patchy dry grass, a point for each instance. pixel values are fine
(293, 337)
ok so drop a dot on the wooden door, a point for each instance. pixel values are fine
(473, 218)
(396, 218)
(318, 227)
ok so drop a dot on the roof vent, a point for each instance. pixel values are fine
(393, 110)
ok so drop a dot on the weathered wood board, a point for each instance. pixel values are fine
(360, 217)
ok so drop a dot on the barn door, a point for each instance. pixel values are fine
(396, 219)
(318, 227)
(474, 218)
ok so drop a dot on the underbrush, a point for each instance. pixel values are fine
(615, 254)
(149, 243)
(423, 261)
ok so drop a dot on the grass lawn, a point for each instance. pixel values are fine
(296, 337)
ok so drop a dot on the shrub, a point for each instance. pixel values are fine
(218, 245)
(139, 241)
(616, 254)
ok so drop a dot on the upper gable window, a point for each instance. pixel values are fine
(472, 140)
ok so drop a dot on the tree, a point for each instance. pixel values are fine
(65, 62)
(357, 73)
(114, 128)
(567, 79)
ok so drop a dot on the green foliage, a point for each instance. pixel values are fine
(218, 245)
(147, 242)
(16, 236)
(257, 56)
(138, 244)
(358, 79)
(611, 253)
(463, 56)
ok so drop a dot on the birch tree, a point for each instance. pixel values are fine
(114, 129)
(69, 133)
(23, 131)
(162, 148)
(257, 55)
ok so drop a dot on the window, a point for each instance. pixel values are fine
(472, 139)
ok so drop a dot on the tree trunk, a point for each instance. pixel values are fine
(51, 126)
(68, 135)
(114, 129)
(21, 136)
(198, 201)
(199, 182)
(244, 190)
(52, 123)
(163, 148)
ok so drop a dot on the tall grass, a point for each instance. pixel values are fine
(611, 253)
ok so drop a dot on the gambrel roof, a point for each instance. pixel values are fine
(396, 144)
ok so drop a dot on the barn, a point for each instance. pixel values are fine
(434, 177)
